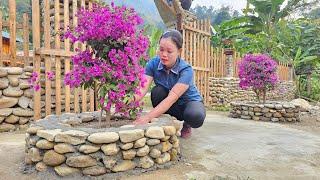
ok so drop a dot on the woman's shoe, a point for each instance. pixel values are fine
(186, 131)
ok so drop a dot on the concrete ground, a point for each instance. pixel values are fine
(223, 148)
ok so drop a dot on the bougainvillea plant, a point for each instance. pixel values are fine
(112, 64)
(258, 72)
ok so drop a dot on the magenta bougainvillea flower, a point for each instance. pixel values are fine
(113, 61)
(258, 72)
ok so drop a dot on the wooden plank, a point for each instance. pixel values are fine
(12, 29)
(84, 92)
(75, 21)
(54, 52)
(47, 58)
(26, 39)
(36, 58)
(67, 49)
(57, 59)
(1, 53)
(196, 30)
(7, 24)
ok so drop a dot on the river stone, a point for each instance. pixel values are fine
(126, 146)
(73, 137)
(109, 161)
(143, 151)
(13, 81)
(4, 83)
(81, 161)
(110, 149)
(155, 132)
(12, 119)
(1, 119)
(48, 134)
(124, 166)
(24, 85)
(146, 162)
(131, 135)
(28, 69)
(64, 170)
(152, 142)
(155, 153)
(13, 92)
(169, 130)
(23, 120)
(44, 144)
(7, 102)
(72, 121)
(94, 171)
(28, 93)
(34, 129)
(166, 146)
(166, 138)
(24, 102)
(3, 72)
(87, 149)
(86, 118)
(15, 71)
(103, 137)
(23, 112)
(129, 154)
(173, 155)
(140, 143)
(4, 127)
(63, 148)
(40, 166)
(34, 154)
(6, 112)
(165, 157)
(51, 158)
(278, 106)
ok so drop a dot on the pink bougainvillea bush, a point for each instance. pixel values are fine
(258, 72)
(113, 63)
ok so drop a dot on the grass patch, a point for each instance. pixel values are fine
(219, 108)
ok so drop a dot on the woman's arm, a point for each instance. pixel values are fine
(144, 90)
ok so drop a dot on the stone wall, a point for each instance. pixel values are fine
(272, 111)
(222, 91)
(92, 151)
(16, 107)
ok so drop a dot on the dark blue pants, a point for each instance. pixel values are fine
(193, 113)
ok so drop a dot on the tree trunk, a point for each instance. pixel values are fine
(309, 84)
(264, 96)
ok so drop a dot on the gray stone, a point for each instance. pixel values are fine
(124, 166)
(1, 119)
(34, 154)
(13, 81)
(143, 151)
(110, 149)
(87, 149)
(34, 129)
(245, 117)
(28, 93)
(6, 112)
(72, 121)
(256, 118)
(152, 142)
(109, 161)
(166, 146)
(64, 170)
(24, 102)
(274, 119)
(13, 92)
(15, 71)
(51, 158)
(268, 115)
(155, 153)
(86, 118)
(155, 132)
(126, 146)
(48, 134)
(131, 135)
(169, 130)
(23, 112)
(129, 154)
(278, 106)
(73, 137)
(146, 162)
(246, 113)
(63, 148)
(3, 72)
(4, 83)
(140, 143)
(81, 161)
(23, 120)
(12, 119)
(165, 157)
(7, 102)
(24, 85)
(4, 127)
(103, 137)
(94, 171)
(41, 167)
(277, 115)
(258, 114)
(44, 144)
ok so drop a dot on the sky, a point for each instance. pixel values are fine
(235, 4)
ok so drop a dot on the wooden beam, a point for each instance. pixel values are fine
(26, 39)
(54, 52)
(1, 63)
(7, 24)
(12, 28)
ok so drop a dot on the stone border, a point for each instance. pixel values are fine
(53, 143)
(271, 111)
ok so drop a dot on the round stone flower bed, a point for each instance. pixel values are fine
(53, 143)
(271, 111)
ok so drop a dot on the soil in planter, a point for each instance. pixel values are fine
(114, 122)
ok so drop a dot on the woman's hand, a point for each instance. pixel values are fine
(142, 120)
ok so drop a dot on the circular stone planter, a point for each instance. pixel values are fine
(53, 143)
(271, 111)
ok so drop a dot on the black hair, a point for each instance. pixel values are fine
(175, 36)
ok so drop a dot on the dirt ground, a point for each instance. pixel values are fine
(224, 148)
